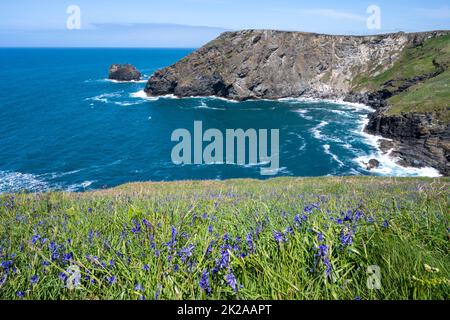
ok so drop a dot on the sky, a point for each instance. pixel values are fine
(192, 23)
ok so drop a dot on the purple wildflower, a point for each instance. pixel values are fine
(138, 287)
(146, 267)
(231, 280)
(20, 294)
(224, 259)
(278, 236)
(111, 280)
(204, 282)
(249, 240)
(320, 237)
(34, 279)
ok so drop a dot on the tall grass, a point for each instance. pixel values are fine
(239, 239)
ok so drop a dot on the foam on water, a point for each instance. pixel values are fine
(316, 130)
(142, 95)
(326, 148)
(16, 182)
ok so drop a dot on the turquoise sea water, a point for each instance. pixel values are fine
(64, 126)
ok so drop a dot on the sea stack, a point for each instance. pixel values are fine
(124, 72)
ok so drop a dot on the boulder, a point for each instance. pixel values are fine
(372, 164)
(124, 72)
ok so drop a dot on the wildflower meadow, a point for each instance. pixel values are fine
(309, 238)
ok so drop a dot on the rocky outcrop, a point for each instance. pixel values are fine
(423, 140)
(255, 64)
(124, 72)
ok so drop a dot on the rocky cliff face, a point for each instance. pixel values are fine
(423, 141)
(274, 64)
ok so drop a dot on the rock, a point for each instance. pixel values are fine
(422, 140)
(372, 164)
(124, 72)
(257, 64)
(386, 145)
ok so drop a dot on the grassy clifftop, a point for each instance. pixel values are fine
(419, 80)
(240, 239)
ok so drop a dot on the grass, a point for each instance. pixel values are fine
(240, 239)
(431, 95)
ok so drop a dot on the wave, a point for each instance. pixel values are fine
(303, 113)
(104, 97)
(316, 130)
(203, 105)
(142, 95)
(390, 167)
(12, 182)
(79, 186)
(326, 149)
(17, 181)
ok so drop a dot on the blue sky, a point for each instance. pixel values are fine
(191, 23)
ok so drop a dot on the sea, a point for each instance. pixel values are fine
(65, 126)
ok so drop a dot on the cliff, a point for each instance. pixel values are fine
(394, 73)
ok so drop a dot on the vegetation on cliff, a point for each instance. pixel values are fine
(418, 82)
(241, 239)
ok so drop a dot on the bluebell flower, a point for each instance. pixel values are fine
(138, 287)
(204, 282)
(20, 294)
(348, 216)
(146, 267)
(34, 279)
(346, 238)
(278, 236)
(320, 237)
(385, 224)
(224, 259)
(210, 229)
(35, 238)
(67, 257)
(6, 265)
(186, 252)
(231, 280)
(289, 230)
(209, 249)
(111, 280)
(147, 224)
(249, 240)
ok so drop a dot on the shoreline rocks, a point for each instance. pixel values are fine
(124, 72)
